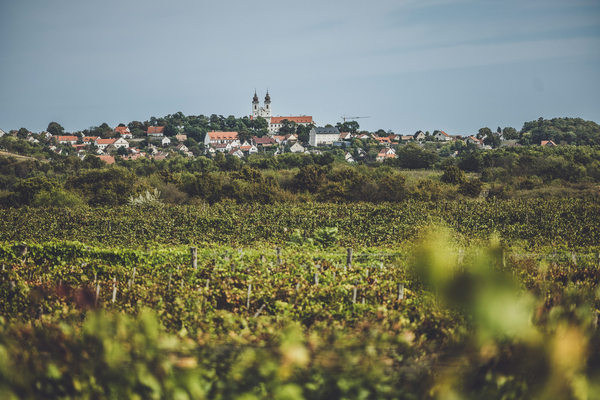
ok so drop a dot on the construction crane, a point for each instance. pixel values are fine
(344, 118)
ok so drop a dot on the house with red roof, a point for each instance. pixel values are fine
(277, 122)
(214, 138)
(67, 139)
(385, 154)
(442, 136)
(548, 143)
(156, 131)
(123, 132)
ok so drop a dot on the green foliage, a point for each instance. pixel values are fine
(327, 236)
(105, 187)
(146, 199)
(471, 187)
(453, 175)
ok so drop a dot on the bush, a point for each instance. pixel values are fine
(471, 188)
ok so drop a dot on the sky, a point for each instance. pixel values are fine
(407, 65)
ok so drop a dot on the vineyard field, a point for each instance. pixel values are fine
(412, 301)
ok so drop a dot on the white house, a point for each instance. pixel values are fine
(323, 136)
(297, 148)
(165, 141)
(213, 138)
(442, 136)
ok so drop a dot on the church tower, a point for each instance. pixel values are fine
(267, 115)
(255, 107)
(258, 111)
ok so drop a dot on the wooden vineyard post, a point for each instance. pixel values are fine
(248, 298)
(461, 254)
(133, 276)
(23, 251)
(349, 258)
(400, 291)
(503, 258)
(97, 293)
(260, 310)
(316, 279)
(354, 295)
(169, 285)
(278, 255)
(114, 297)
(194, 252)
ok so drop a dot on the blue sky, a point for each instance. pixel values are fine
(453, 65)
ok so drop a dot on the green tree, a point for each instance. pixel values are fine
(483, 132)
(471, 188)
(453, 175)
(510, 133)
(22, 133)
(106, 187)
(55, 129)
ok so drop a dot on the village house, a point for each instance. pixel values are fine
(182, 147)
(384, 141)
(165, 141)
(213, 138)
(236, 152)
(385, 154)
(297, 148)
(123, 132)
(263, 141)
(474, 140)
(88, 140)
(442, 136)
(102, 144)
(181, 138)
(323, 136)
(419, 135)
(67, 139)
(548, 143)
(156, 131)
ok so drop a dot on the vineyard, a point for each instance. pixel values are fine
(569, 223)
(411, 301)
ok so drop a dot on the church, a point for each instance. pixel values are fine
(275, 123)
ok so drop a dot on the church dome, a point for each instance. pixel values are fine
(267, 97)
(255, 98)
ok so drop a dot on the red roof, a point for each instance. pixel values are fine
(122, 130)
(89, 139)
(67, 138)
(156, 129)
(299, 120)
(108, 159)
(106, 141)
(222, 135)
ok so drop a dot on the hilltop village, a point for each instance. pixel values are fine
(260, 132)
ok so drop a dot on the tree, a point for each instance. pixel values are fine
(510, 133)
(453, 175)
(122, 151)
(55, 129)
(288, 127)
(492, 139)
(483, 132)
(23, 133)
(471, 188)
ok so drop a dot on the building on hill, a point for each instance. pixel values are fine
(323, 136)
(258, 111)
(275, 123)
(156, 131)
(214, 138)
(123, 132)
(442, 136)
